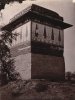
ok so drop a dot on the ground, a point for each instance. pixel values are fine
(38, 90)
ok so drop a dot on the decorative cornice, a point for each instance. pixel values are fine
(39, 14)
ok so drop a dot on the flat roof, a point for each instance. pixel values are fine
(38, 9)
(39, 14)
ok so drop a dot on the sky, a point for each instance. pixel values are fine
(65, 9)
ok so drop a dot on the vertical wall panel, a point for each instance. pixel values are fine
(48, 33)
(22, 30)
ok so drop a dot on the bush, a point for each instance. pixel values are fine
(41, 87)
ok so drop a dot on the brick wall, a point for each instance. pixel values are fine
(46, 66)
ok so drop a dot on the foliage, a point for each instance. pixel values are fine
(7, 67)
(70, 76)
(3, 2)
(73, 75)
(41, 87)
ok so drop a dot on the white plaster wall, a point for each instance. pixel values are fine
(23, 65)
(24, 32)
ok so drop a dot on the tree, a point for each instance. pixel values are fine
(73, 75)
(68, 76)
(7, 66)
(3, 2)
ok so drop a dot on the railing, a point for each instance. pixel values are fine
(20, 14)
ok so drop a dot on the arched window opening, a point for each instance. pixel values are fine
(26, 32)
(59, 37)
(45, 32)
(36, 31)
(52, 35)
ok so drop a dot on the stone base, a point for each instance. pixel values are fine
(37, 66)
(32, 65)
(23, 65)
(48, 67)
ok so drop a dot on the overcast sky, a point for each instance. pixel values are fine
(65, 9)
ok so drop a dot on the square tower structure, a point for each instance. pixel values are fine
(39, 46)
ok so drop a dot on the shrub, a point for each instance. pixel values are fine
(41, 87)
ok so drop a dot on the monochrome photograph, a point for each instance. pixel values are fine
(37, 50)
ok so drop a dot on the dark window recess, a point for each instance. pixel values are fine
(59, 37)
(16, 36)
(26, 31)
(21, 34)
(45, 32)
(36, 31)
(52, 36)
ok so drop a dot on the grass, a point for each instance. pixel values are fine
(38, 90)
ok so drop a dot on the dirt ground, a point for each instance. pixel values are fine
(38, 90)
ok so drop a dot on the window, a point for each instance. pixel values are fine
(45, 32)
(59, 37)
(21, 34)
(52, 36)
(36, 31)
(26, 31)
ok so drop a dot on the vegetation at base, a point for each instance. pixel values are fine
(7, 67)
(41, 87)
(26, 90)
(69, 76)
